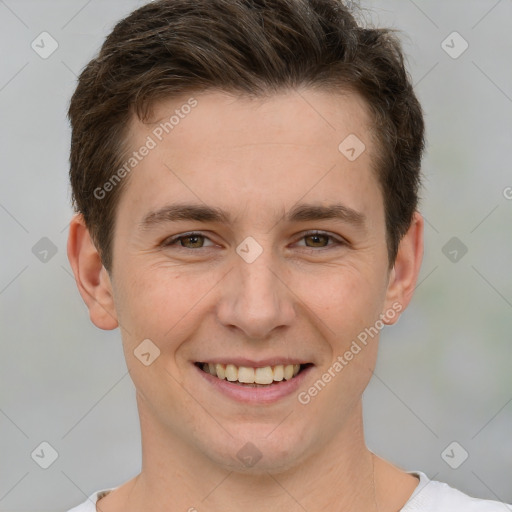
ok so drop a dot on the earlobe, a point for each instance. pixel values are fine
(404, 274)
(91, 277)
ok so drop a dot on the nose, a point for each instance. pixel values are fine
(255, 298)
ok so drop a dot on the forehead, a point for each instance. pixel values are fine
(219, 147)
(296, 116)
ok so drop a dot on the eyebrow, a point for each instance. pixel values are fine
(204, 213)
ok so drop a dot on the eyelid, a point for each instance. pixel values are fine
(338, 241)
(172, 240)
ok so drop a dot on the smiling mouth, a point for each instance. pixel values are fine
(253, 377)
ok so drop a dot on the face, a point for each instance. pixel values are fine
(246, 237)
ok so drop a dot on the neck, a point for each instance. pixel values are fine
(338, 477)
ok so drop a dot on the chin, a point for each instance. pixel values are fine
(254, 453)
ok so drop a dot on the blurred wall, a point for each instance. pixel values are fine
(444, 371)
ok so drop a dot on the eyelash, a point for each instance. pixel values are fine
(169, 242)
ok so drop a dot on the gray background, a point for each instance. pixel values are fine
(444, 370)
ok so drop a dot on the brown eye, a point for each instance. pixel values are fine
(195, 241)
(321, 240)
(318, 240)
(187, 241)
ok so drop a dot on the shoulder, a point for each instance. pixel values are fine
(431, 495)
(89, 505)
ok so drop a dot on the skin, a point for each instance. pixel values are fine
(302, 297)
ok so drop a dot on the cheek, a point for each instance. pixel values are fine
(165, 302)
(159, 303)
(347, 298)
(352, 304)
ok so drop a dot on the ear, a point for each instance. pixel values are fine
(404, 274)
(91, 276)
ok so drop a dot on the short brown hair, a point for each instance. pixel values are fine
(255, 47)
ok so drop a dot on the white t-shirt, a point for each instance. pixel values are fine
(429, 496)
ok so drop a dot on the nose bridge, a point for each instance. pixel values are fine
(255, 299)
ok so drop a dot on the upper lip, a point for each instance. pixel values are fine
(250, 363)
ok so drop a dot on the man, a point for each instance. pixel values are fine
(245, 176)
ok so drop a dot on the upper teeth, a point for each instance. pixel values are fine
(247, 375)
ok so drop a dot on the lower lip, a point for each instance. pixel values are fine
(257, 395)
